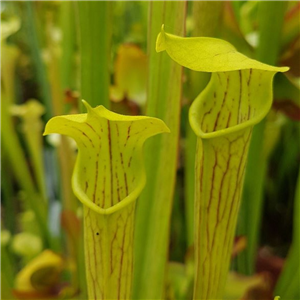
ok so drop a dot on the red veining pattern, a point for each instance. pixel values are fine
(112, 235)
(224, 158)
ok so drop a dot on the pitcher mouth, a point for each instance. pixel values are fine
(199, 110)
(194, 122)
(85, 200)
(109, 172)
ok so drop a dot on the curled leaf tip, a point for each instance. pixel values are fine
(160, 42)
(86, 104)
(165, 128)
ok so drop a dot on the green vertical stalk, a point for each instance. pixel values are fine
(16, 157)
(6, 289)
(61, 78)
(270, 17)
(57, 68)
(7, 264)
(9, 58)
(155, 203)
(67, 63)
(12, 147)
(206, 18)
(95, 35)
(30, 113)
(7, 190)
(288, 286)
(45, 91)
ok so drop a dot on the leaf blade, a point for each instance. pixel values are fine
(208, 54)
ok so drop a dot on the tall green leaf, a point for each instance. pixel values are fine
(95, 36)
(288, 284)
(155, 204)
(270, 19)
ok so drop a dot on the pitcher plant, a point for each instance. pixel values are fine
(238, 96)
(108, 178)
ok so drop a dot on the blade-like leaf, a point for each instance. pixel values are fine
(108, 177)
(252, 199)
(95, 35)
(154, 210)
(288, 283)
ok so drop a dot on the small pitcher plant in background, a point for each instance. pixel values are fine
(108, 178)
(238, 96)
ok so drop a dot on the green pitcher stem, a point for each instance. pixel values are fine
(108, 253)
(220, 165)
(223, 117)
